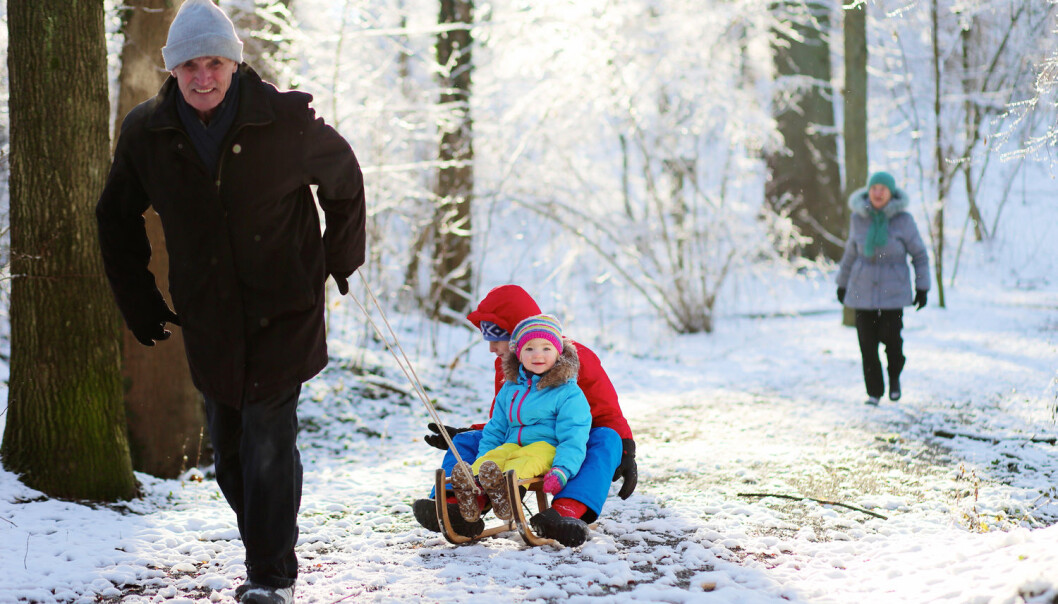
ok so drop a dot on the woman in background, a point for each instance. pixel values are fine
(874, 279)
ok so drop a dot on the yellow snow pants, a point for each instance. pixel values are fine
(531, 460)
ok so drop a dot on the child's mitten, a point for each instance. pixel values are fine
(555, 480)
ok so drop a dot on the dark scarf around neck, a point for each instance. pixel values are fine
(207, 138)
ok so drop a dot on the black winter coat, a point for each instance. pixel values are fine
(247, 262)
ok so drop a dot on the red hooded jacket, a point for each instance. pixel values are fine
(506, 306)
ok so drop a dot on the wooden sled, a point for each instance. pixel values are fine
(519, 521)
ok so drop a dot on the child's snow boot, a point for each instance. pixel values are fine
(570, 532)
(491, 477)
(465, 488)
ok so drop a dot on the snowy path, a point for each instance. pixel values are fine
(762, 406)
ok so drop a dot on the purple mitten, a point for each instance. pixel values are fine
(555, 481)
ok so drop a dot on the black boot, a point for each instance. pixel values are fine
(895, 367)
(570, 532)
(425, 511)
(894, 387)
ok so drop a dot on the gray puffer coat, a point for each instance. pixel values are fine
(882, 281)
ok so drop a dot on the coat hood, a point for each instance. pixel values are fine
(566, 367)
(505, 306)
(860, 203)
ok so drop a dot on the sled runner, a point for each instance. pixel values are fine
(519, 521)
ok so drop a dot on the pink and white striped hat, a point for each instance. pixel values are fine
(537, 326)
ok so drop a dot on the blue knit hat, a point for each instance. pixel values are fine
(539, 326)
(200, 29)
(493, 333)
(882, 178)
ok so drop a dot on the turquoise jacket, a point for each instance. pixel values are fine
(551, 407)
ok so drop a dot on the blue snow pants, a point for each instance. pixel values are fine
(590, 485)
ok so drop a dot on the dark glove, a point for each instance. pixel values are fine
(342, 281)
(841, 295)
(628, 469)
(920, 299)
(437, 440)
(149, 330)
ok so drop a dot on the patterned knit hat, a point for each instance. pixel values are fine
(538, 326)
(493, 333)
(200, 29)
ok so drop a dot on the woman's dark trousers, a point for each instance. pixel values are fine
(259, 471)
(880, 327)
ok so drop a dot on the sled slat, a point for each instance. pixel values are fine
(532, 484)
(519, 521)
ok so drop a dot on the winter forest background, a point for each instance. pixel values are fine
(647, 168)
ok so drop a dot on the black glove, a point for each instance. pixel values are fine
(628, 469)
(149, 330)
(920, 299)
(437, 440)
(841, 295)
(343, 283)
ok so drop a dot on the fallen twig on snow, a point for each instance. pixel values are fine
(994, 439)
(822, 501)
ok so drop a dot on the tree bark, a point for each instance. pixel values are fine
(166, 419)
(451, 280)
(65, 431)
(806, 182)
(856, 161)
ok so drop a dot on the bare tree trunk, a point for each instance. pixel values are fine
(942, 174)
(806, 183)
(973, 123)
(451, 284)
(856, 161)
(65, 431)
(166, 419)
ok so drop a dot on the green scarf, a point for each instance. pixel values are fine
(878, 234)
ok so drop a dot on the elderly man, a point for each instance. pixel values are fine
(227, 162)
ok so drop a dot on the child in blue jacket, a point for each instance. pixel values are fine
(540, 424)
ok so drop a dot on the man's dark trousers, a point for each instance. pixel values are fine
(259, 471)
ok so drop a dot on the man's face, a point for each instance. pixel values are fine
(500, 348)
(204, 82)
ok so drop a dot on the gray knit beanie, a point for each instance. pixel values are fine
(200, 29)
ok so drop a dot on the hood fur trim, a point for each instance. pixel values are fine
(860, 203)
(566, 367)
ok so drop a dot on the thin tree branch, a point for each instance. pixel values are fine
(1050, 440)
(822, 501)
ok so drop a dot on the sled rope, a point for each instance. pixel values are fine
(403, 362)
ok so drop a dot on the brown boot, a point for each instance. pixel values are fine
(463, 484)
(491, 477)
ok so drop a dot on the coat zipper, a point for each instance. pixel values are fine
(511, 416)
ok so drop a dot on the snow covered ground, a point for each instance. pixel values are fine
(764, 406)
